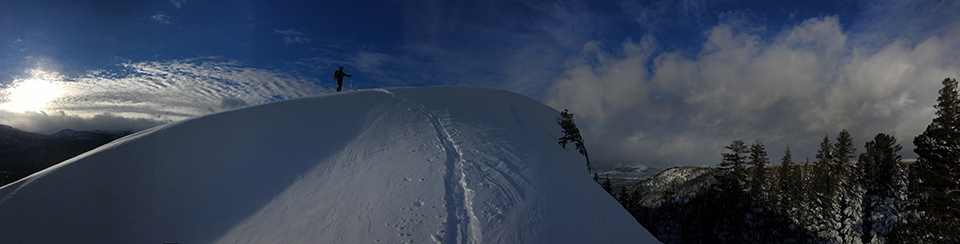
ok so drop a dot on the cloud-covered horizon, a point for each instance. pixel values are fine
(788, 90)
(43, 123)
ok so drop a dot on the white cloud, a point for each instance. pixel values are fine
(178, 3)
(370, 61)
(787, 90)
(145, 94)
(292, 36)
(177, 89)
(160, 17)
(597, 84)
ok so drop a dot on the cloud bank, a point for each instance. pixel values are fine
(44, 123)
(789, 90)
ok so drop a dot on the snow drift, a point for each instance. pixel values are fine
(441, 165)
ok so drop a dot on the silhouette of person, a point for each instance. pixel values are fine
(338, 75)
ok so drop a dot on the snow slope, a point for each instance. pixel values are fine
(437, 165)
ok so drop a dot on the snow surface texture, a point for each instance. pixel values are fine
(405, 165)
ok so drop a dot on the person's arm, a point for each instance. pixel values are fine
(345, 74)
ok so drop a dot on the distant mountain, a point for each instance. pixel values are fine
(72, 135)
(11, 137)
(628, 174)
(686, 205)
(28, 153)
(676, 184)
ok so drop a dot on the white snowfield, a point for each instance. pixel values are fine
(405, 165)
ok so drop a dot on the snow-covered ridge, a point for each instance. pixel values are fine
(436, 165)
(677, 184)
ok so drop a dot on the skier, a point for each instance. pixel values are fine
(338, 75)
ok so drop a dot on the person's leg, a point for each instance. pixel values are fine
(339, 84)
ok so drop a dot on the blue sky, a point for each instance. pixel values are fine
(652, 82)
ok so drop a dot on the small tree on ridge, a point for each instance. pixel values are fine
(572, 134)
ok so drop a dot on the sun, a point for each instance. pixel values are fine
(31, 95)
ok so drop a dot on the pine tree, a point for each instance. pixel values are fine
(808, 210)
(824, 160)
(851, 202)
(844, 151)
(936, 175)
(787, 181)
(734, 162)
(845, 178)
(828, 208)
(623, 196)
(729, 191)
(572, 134)
(607, 186)
(867, 163)
(758, 180)
(885, 185)
(822, 171)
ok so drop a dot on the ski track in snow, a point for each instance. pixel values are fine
(458, 193)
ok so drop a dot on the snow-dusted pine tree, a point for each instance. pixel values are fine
(936, 175)
(851, 199)
(758, 178)
(885, 185)
(787, 189)
(809, 208)
(850, 192)
(826, 206)
(730, 194)
(843, 152)
(734, 161)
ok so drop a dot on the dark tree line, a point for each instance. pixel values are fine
(878, 198)
(834, 199)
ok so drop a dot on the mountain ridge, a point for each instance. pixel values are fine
(12, 137)
(42, 151)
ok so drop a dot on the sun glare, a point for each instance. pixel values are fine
(31, 95)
